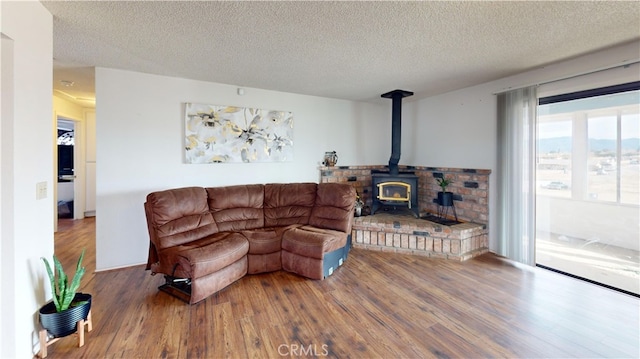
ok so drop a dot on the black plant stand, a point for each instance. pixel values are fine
(443, 211)
(445, 202)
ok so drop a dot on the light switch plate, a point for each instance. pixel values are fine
(41, 190)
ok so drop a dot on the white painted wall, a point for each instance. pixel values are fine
(90, 163)
(26, 159)
(7, 317)
(458, 129)
(67, 109)
(139, 126)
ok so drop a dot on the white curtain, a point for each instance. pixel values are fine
(516, 174)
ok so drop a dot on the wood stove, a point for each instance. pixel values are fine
(395, 192)
(393, 189)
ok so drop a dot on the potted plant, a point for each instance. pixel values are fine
(444, 198)
(60, 316)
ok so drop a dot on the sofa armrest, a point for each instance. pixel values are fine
(334, 207)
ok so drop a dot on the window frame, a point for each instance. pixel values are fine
(601, 91)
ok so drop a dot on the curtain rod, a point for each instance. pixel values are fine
(623, 64)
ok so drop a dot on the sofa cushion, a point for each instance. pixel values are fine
(179, 216)
(236, 208)
(309, 241)
(264, 240)
(289, 203)
(202, 287)
(263, 263)
(207, 255)
(334, 207)
(301, 265)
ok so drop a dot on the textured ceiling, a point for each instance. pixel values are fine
(346, 50)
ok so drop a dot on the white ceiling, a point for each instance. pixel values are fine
(347, 50)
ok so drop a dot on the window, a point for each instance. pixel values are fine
(593, 136)
(629, 157)
(588, 185)
(554, 155)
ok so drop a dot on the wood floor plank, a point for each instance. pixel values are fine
(252, 339)
(227, 338)
(274, 340)
(377, 305)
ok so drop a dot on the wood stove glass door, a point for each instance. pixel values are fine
(394, 191)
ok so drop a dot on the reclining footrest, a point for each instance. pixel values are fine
(177, 287)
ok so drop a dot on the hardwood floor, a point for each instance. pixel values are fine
(377, 305)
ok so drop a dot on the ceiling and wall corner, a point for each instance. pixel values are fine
(345, 50)
(74, 84)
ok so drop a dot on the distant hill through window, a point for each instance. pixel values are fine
(563, 145)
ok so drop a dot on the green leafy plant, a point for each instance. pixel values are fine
(63, 292)
(443, 183)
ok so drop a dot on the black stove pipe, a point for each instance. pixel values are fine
(396, 97)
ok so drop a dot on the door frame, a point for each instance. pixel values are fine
(78, 166)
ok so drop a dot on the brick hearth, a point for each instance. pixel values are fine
(409, 235)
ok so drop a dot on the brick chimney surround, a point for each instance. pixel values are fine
(403, 233)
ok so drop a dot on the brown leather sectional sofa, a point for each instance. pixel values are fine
(204, 239)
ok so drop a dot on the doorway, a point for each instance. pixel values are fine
(66, 168)
(69, 170)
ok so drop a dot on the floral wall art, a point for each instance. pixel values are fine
(216, 134)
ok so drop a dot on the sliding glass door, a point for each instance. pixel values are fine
(588, 185)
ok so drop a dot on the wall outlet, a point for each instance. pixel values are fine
(41, 190)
